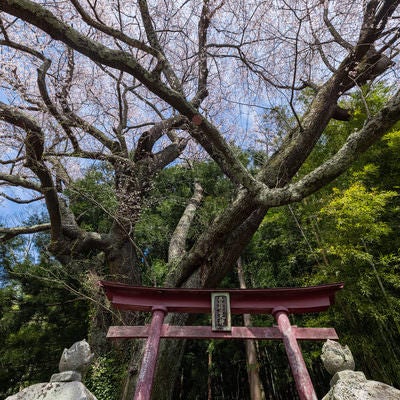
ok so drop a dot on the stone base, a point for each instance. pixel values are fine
(66, 376)
(54, 391)
(352, 385)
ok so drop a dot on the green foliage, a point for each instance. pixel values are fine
(105, 376)
(270, 260)
(33, 307)
(165, 204)
(93, 199)
(355, 214)
(345, 232)
(367, 312)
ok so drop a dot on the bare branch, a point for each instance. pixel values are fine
(204, 23)
(21, 201)
(296, 54)
(113, 32)
(123, 115)
(392, 40)
(163, 63)
(338, 38)
(64, 122)
(10, 233)
(22, 48)
(252, 66)
(205, 133)
(320, 50)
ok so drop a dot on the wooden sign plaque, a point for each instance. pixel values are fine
(221, 312)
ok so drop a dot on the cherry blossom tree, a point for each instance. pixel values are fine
(140, 85)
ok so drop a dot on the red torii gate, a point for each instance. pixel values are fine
(280, 302)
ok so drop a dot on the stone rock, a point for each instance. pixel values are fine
(356, 389)
(54, 391)
(67, 384)
(77, 358)
(347, 384)
(348, 375)
(336, 357)
(66, 376)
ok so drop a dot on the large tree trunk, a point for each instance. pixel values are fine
(122, 262)
(169, 362)
(171, 351)
(253, 368)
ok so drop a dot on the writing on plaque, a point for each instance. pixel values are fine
(221, 312)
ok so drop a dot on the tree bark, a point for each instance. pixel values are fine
(168, 370)
(253, 368)
(178, 240)
(209, 378)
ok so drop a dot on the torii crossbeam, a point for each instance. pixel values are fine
(280, 302)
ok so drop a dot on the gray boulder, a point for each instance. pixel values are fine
(353, 385)
(66, 376)
(54, 391)
(65, 385)
(336, 357)
(347, 384)
(77, 358)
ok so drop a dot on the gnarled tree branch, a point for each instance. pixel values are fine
(177, 244)
(10, 233)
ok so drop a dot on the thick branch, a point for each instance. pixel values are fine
(279, 170)
(150, 137)
(357, 143)
(10, 233)
(363, 64)
(65, 90)
(213, 238)
(168, 154)
(17, 200)
(178, 240)
(375, 17)
(221, 262)
(42, 18)
(163, 63)
(203, 25)
(15, 180)
(34, 145)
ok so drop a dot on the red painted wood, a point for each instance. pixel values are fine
(243, 301)
(277, 301)
(304, 385)
(145, 380)
(206, 332)
(315, 333)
